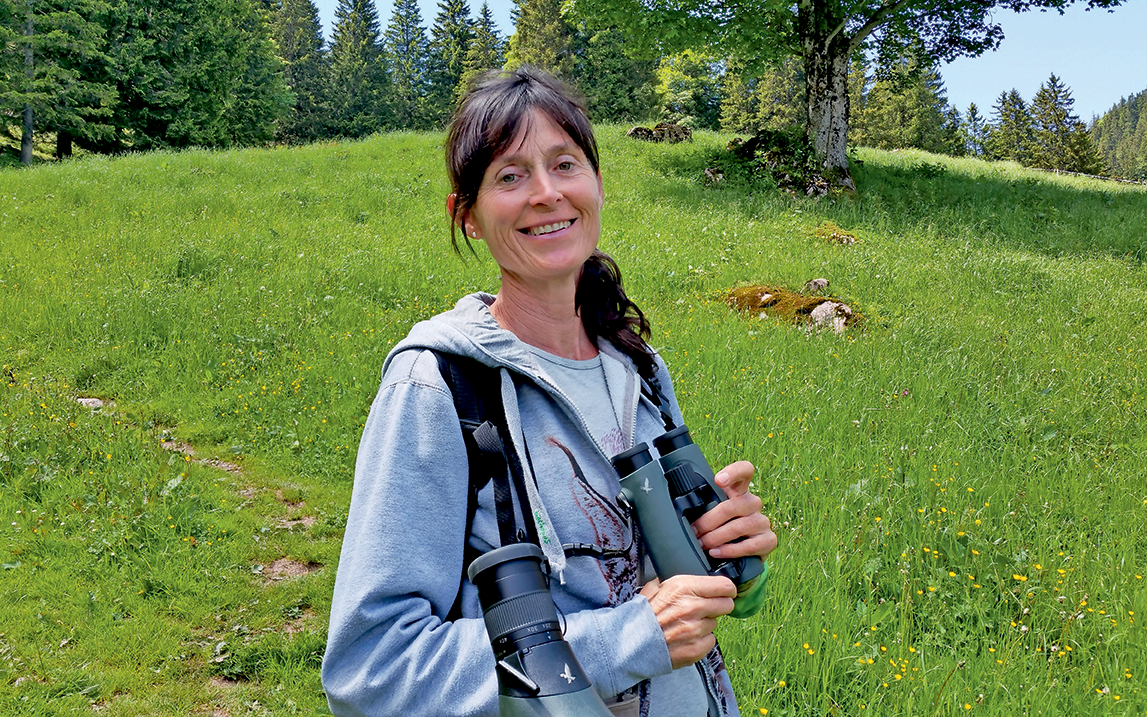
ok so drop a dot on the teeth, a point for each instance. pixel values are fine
(538, 231)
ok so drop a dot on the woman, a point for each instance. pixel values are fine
(567, 344)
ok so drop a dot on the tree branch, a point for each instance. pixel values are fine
(878, 18)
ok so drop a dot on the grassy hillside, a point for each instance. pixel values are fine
(958, 483)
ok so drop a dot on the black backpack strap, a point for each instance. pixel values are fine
(476, 389)
(652, 390)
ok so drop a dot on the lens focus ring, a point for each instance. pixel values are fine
(520, 611)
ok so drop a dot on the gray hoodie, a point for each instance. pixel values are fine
(389, 651)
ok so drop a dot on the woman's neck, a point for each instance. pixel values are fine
(544, 320)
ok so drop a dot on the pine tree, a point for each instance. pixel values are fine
(1121, 137)
(616, 87)
(295, 27)
(541, 38)
(406, 49)
(1010, 133)
(780, 95)
(739, 100)
(485, 51)
(358, 86)
(449, 42)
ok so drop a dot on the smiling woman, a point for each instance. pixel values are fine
(579, 385)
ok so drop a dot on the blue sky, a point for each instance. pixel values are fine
(1100, 56)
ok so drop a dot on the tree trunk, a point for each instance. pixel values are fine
(26, 139)
(826, 57)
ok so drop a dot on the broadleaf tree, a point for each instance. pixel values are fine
(826, 34)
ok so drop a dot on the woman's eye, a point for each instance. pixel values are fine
(508, 178)
(565, 166)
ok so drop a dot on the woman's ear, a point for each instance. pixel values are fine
(450, 200)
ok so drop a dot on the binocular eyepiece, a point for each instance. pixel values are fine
(538, 674)
(668, 495)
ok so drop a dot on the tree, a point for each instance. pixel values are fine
(974, 132)
(542, 38)
(1060, 140)
(689, 89)
(405, 47)
(449, 41)
(826, 34)
(484, 53)
(907, 108)
(298, 35)
(616, 86)
(1121, 137)
(358, 83)
(194, 73)
(57, 70)
(1010, 134)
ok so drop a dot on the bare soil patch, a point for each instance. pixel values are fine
(286, 568)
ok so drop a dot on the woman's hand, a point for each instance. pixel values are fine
(738, 517)
(687, 608)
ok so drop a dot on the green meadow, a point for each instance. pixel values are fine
(959, 481)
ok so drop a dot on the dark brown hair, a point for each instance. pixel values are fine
(487, 121)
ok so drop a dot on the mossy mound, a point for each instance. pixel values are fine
(819, 311)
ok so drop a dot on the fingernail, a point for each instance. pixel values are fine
(722, 478)
(715, 552)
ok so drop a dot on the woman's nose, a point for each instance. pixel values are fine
(544, 190)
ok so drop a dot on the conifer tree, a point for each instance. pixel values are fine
(541, 38)
(1060, 139)
(1121, 137)
(780, 95)
(406, 49)
(1010, 133)
(449, 42)
(298, 34)
(56, 72)
(358, 84)
(195, 72)
(974, 131)
(907, 108)
(616, 86)
(485, 51)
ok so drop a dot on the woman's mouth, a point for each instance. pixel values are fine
(548, 228)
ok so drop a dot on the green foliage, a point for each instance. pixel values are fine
(450, 39)
(299, 39)
(405, 47)
(542, 38)
(689, 89)
(1061, 140)
(359, 83)
(485, 51)
(1011, 131)
(617, 87)
(906, 108)
(1121, 137)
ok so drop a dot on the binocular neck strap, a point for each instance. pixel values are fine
(652, 390)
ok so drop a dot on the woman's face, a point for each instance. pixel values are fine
(539, 206)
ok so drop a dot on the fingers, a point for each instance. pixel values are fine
(738, 505)
(687, 608)
(735, 478)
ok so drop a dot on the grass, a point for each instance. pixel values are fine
(958, 485)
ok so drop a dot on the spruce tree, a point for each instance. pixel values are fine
(1060, 139)
(358, 85)
(617, 87)
(974, 131)
(1010, 133)
(298, 34)
(406, 50)
(486, 51)
(55, 71)
(908, 108)
(541, 38)
(780, 95)
(449, 42)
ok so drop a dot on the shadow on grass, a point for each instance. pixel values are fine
(936, 198)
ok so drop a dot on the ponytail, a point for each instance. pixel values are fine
(607, 312)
